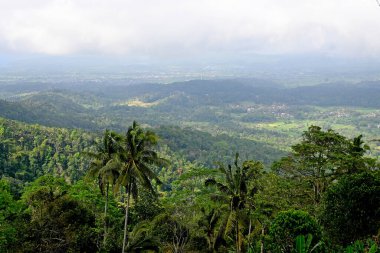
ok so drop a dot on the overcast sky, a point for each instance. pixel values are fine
(175, 28)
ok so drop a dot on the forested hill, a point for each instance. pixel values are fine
(49, 110)
(96, 106)
(251, 112)
(365, 94)
(218, 92)
(214, 92)
(325, 185)
(206, 149)
(14, 110)
(30, 151)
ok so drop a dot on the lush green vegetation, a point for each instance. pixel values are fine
(30, 151)
(257, 111)
(216, 166)
(127, 193)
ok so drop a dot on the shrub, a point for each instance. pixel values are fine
(351, 209)
(288, 225)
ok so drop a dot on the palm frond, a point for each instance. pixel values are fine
(231, 223)
(142, 239)
(210, 182)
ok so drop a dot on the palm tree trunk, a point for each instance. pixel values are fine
(249, 232)
(249, 228)
(237, 238)
(262, 240)
(105, 215)
(126, 218)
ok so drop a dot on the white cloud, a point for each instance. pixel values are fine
(177, 27)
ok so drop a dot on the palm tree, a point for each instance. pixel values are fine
(141, 238)
(139, 161)
(234, 192)
(208, 224)
(105, 167)
(357, 150)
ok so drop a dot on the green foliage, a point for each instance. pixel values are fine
(91, 198)
(234, 212)
(146, 207)
(191, 145)
(303, 244)
(139, 160)
(321, 157)
(9, 209)
(352, 205)
(288, 225)
(105, 167)
(44, 190)
(279, 193)
(236, 194)
(58, 222)
(362, 247)
(131, 160)
(172, 229)
(253, 112)
(208, 224)
(49, 109)
(30, 151)
(142, 238)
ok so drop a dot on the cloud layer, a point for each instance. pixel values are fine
(170, 28)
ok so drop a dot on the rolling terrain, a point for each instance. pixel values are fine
(252, 110)
(60, 169)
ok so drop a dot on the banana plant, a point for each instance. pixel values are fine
(303, 244)
(373, 249)
(360, 247)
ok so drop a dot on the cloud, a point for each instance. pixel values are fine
(181, 27)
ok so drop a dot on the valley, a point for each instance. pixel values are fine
(254, 110)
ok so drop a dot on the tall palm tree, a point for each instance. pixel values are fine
(208, 224)
(234, 192)
(105, 167)
(139, 161)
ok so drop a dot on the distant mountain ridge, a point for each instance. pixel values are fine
(221, 91)
(110, 106)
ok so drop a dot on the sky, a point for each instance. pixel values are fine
(186, 28)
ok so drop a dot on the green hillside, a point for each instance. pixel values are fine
(215, 166)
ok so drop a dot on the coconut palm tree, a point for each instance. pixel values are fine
(357, 150)
(139, 161)
(238, 187)
(105, 167)
(208, 224)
